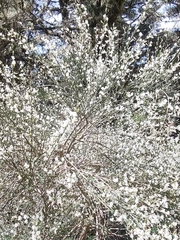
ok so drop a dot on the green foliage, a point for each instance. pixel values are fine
(139, 118)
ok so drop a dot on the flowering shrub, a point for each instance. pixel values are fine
(84, 150)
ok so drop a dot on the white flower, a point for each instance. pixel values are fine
(26, 165)
(115, 180)
(175, 185)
